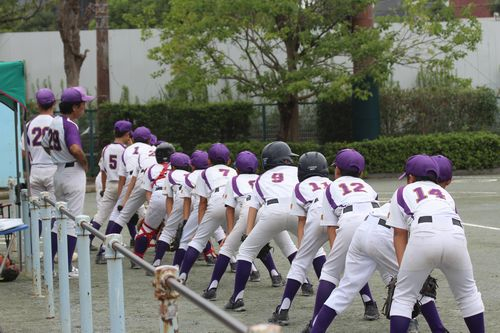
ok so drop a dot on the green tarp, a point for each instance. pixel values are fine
(12, 86)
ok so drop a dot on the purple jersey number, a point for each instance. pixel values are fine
(225, 172)
(277, 177)
(112, 162)
(434, 192)
(352, 187)
(38, 133)
(316, 187)
(54, 143)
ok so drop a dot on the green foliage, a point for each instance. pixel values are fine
(440, 76)
(186, 125)
(132, 14)
(27, 15)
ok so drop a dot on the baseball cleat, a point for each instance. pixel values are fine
(279, 317)
(210, 294)
(277, 280)
(237, 306)
(413, 328)
(100, 259)
(307, 289)
(371, 311)
(74, 272)
(254, 276)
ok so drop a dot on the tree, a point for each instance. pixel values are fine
(289, 51)
(14, 12)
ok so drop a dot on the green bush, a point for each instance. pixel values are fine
(186, 125)
(467, 150)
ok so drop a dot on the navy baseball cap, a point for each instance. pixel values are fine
(123, 126)
(349, 160)
(179, 160)
(75, 95)
(199, 159)
(45, 96)
(218, 152)
(246, 162)
(445, 167)
(420, 166)
(142, 133)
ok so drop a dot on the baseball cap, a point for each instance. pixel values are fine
(153, 140)
(179, 160)
(246, 162)
(445, 167)
(142, 133)
(218, 152)
(199, 159)
(75, 95)
(45, 96)
(123, 126)
(349, 160)
(420, 166)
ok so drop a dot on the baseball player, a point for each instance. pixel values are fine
(271, 197)
(346, 203)
(62, 141)
(108, 179)
(307, 206)
(237, 197)
(428, 234)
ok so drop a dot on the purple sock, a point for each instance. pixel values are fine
(219, 268)
(291, 257)
(141, 245)
(243, 269)
(113, 228)
(318, 265)
(291, 288)
(53, 243)
(95, 225)
(325, 288)
(71, 250)
(179, 257)
(399, 324)
(366, 291)
(269, 263)
(131, 226)
(431, 316)
(188, 262)
(323, 319)
(475, 323)
(160, 249)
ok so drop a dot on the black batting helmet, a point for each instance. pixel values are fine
(311, 164)
(163, 152)
(276, 153)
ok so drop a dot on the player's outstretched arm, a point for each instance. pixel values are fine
(78, 154)
(170, 205)
(332, 234)
(202, 208)
(252, 215)
(186, 209)
(300, 229)
(230, 218)
(400, 241)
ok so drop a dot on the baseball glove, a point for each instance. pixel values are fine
(429, 288)
(264, 251)
(386, 309)
(178, 236)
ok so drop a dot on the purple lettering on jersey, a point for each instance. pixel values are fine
(188, 182)
(329, 198)
(257, 188)
(204, 176)
(235, 186)
(71, 133)
(299, 195)
(401, 201)
(171, 179)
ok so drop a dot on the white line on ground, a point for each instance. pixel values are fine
(481, 226)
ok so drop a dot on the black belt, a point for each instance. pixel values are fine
(131, 172)
(157, 188)
(382, 222)
(428, 219)
(272, 201)
(69, 165)
(216, 190)
(350, 208)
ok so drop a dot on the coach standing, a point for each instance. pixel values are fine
(63, 142)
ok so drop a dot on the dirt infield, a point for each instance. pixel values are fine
(478, 202)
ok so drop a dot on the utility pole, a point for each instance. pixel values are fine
(102, 25)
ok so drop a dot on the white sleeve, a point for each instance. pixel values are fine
(297, 207)
(229, 199)
(201, 188)
(122, 169)
(167, 187)
(328, 218)
(147, 184)
(396, 215)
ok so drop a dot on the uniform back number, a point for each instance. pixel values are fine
(352, 187)
(38, 135)
(54, 143)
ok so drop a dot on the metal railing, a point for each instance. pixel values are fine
(167, 286)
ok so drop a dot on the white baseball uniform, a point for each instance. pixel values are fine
(437, 240)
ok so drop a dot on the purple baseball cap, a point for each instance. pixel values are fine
(199, 159)
(445, 167)
(45, 96)
(420, 166)
(218, 152)
(350, 160)
(179, 160)
(123, 126)
(153, 140)
(75, 95)
(142, 133)
(246, 162)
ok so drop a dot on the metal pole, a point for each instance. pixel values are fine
(115, 284)
(46, 216)
(35, 248)
(25, 210)
(83, 244)
(62, 255)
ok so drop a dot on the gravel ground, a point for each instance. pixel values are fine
(478, 201)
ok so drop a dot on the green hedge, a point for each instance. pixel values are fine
(185, 125)
(467, 150)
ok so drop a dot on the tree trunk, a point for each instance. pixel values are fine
(69, 30)
(289, 119)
